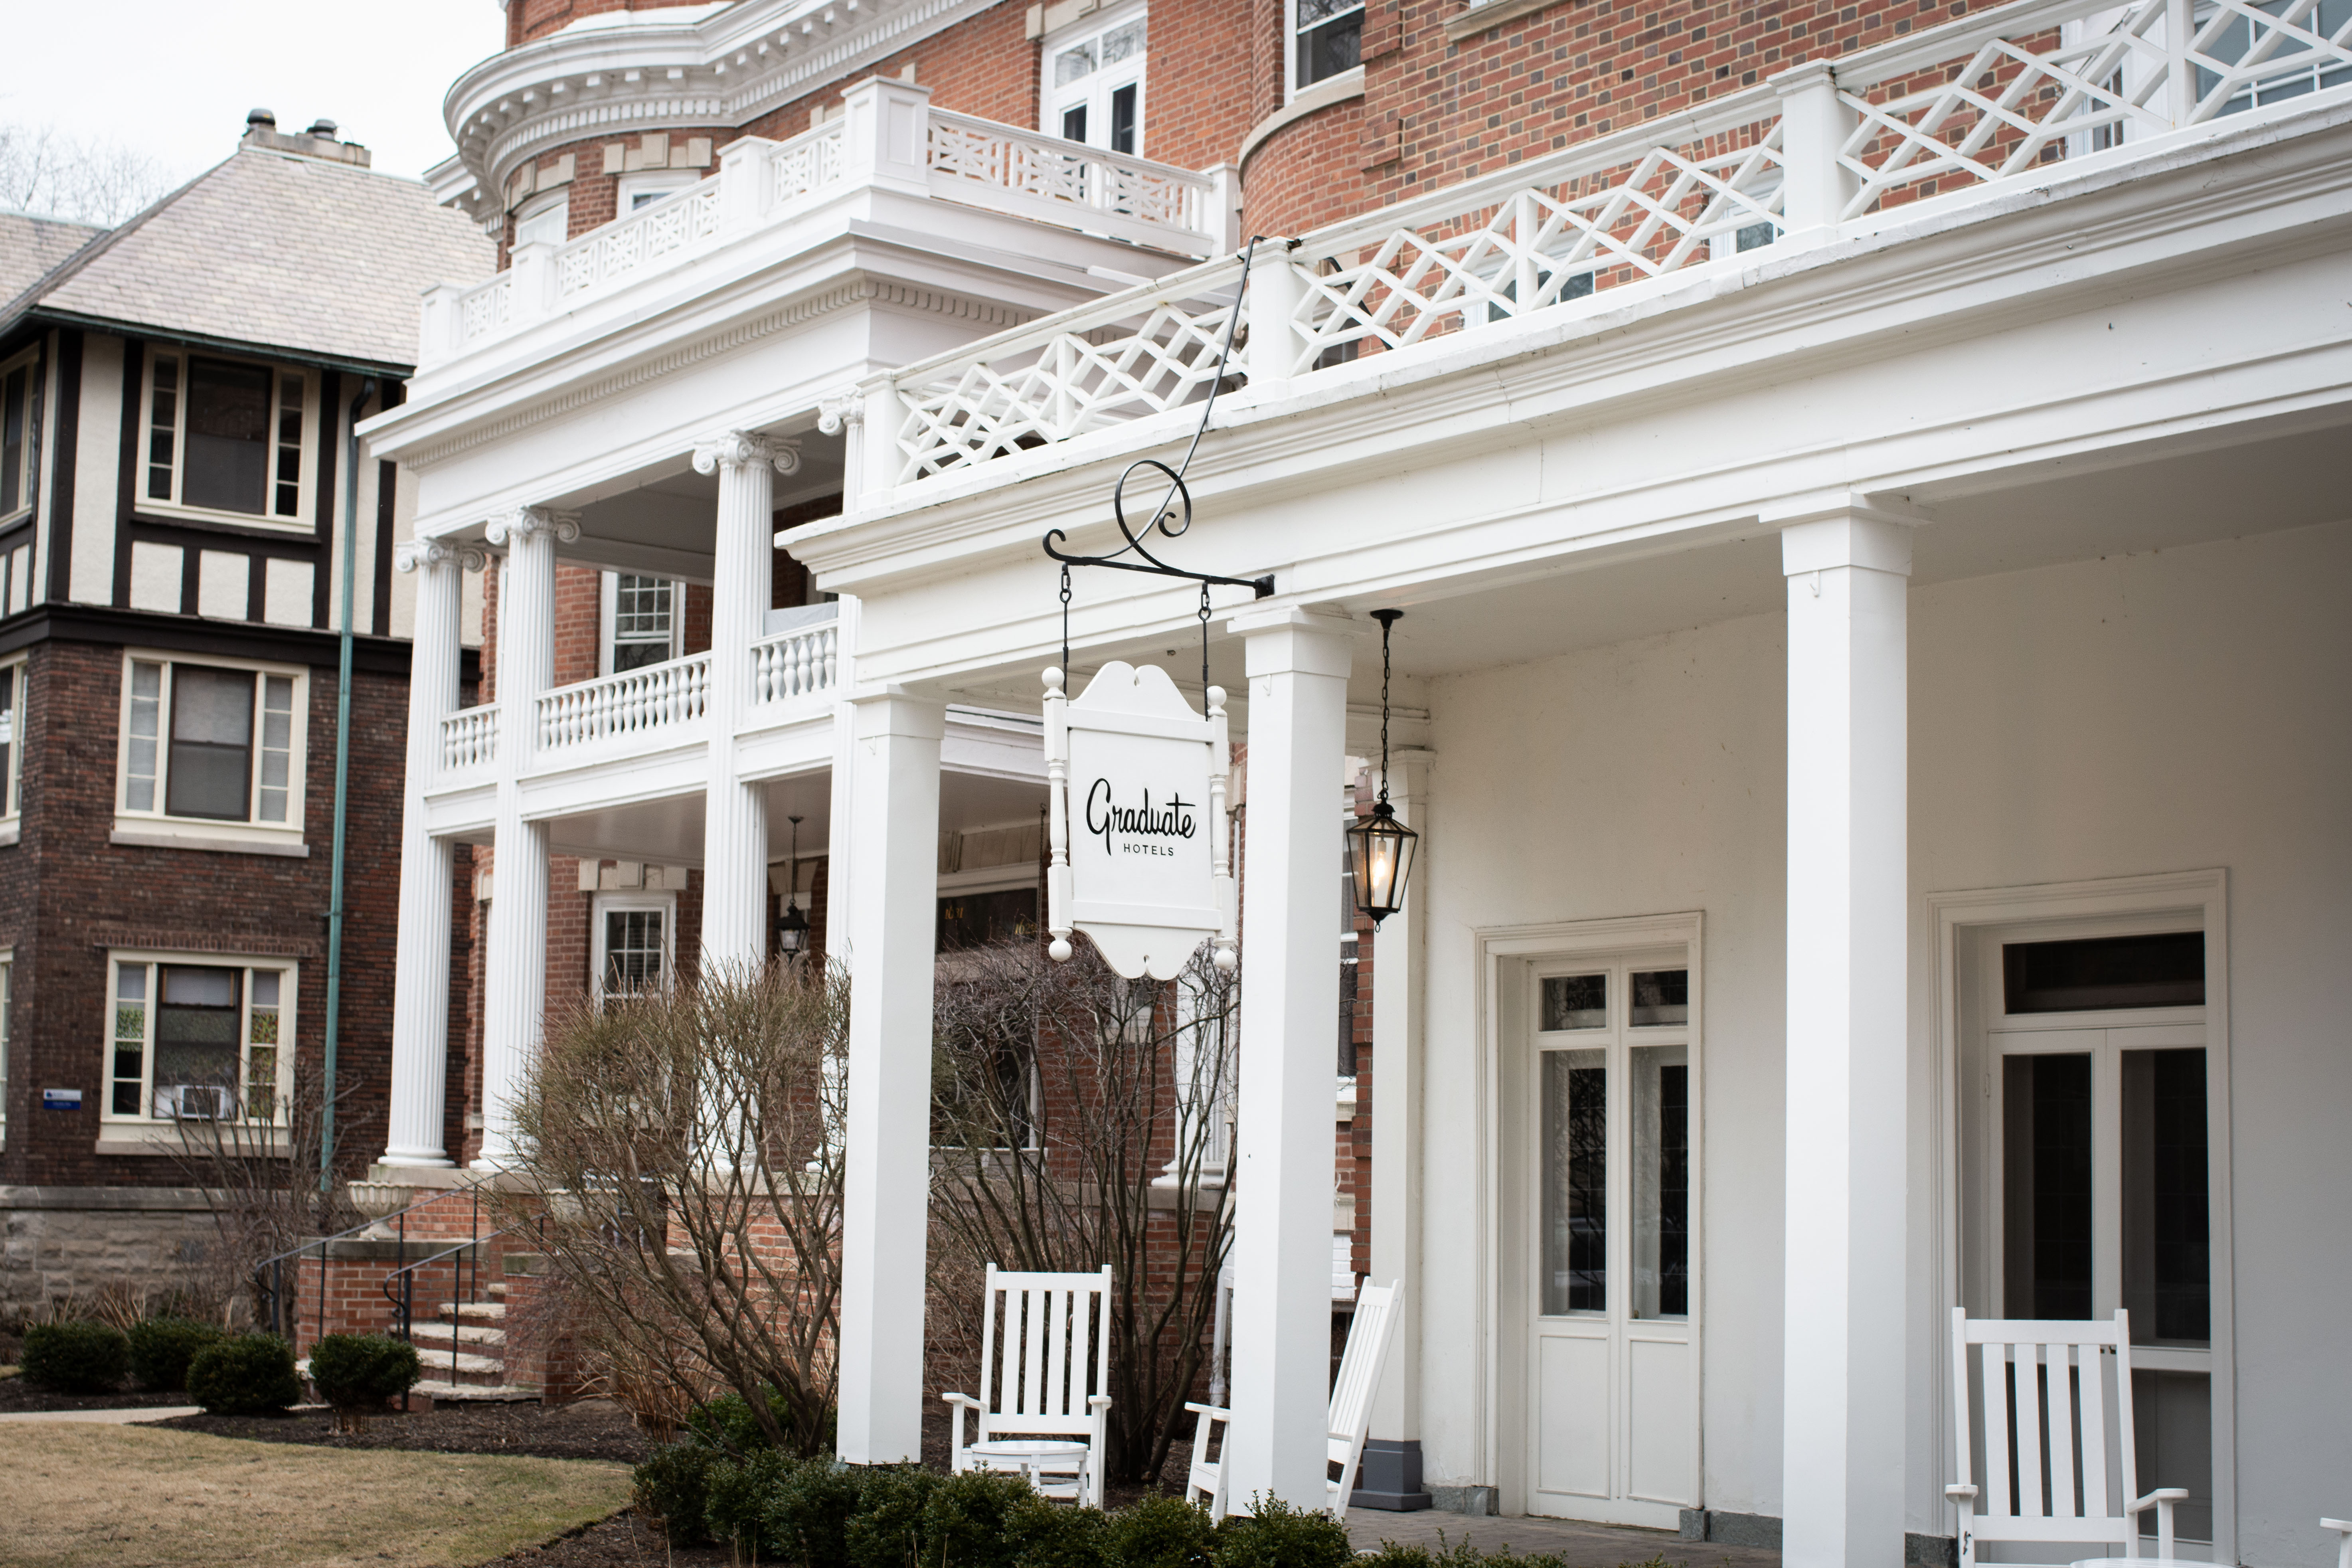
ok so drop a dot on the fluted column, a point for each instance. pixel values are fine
(420, 996)
(735, 820)
(516, 986)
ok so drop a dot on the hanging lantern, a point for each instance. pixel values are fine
(1380, 848)
(791, 926)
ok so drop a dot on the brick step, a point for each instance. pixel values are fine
(481, 1393)
(475, 1335)
(473, 1311)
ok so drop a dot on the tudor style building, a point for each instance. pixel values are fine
(183, 532)
(1862, 486)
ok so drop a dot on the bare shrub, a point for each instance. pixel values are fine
(685, 1145)
(1079, 1114)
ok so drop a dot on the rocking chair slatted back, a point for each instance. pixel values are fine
(1055, 1353)
(1359, 1377)
(2058, 1462)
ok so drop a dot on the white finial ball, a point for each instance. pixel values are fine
(1052, 677)
(1223, 959)
(1058, 950)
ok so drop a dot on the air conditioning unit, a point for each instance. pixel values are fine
(195, 1102)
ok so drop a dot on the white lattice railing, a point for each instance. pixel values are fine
(637, 703)
(469, 739)
(639, 241)
(983, 164)
(1989, 98)
(801, 662)
(808, 162)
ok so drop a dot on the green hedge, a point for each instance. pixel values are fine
(768, 1506)
(252, 1374)
(78, 1356)
(363, 1372)
(161, 1348)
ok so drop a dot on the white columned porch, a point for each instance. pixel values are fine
(894, 843)
(515, 985)
(1298, 666)
(734, 818)
(420, 997)
(1847, 567)
(1390, 1469)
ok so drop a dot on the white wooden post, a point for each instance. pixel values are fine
(886, 136)
(1222, 220)
(735, 816)
(1814, 124)
(2179, 34)
(1842, 1397)
(441, 323)
(894, 843)
(533, 269)
(743, 183)
(516, 984)
(1391, 1467)
(1275, 290)
(420, 996)
(1298, 666)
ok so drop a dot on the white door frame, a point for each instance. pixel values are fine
(1958, 921)
(1503, 956)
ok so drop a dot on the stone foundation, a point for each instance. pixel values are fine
(61, 1242)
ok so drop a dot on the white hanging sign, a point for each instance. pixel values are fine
(1136, 782)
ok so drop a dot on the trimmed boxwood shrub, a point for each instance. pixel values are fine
(252, 1374)
(160, 1348)
(673, 1491)
(363, 1372)
(77, 1357)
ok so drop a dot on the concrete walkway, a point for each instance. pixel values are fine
(1582, 1546)
(103, 1417)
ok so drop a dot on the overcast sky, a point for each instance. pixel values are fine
(174, 78)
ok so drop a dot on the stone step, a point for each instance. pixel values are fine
(436, 1363)
(483, 1393)
(477, 1335)
(474, 1312)
(498, 1289)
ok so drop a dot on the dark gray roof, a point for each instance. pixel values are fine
(275, 250)
(30, 245)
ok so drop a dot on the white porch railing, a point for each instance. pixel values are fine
(649, 704)
(800, 662)
(469, 739)
(764, 184)
(1987, 100)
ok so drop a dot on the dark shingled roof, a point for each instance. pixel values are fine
(271, 250)
(30, 245)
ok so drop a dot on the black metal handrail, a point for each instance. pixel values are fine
(269, 1274)
(404, 1296)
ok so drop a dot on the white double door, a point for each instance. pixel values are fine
(1613, 1127)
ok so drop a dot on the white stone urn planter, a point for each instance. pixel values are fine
(379, 1201)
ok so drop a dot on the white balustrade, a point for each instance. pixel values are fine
(801, 662)
(656, 702)
(469, 740)
(982, 163)
(2011, 92)
(639, 241)
(809, 161)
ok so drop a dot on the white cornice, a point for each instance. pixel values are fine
(722, 71)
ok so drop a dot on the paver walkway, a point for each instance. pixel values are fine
(103, 1417)
(1583, 1546)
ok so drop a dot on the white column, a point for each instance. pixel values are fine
(516, 979)
(1397, 960)
(1842, 1370)
(895, 845)
(1298, 666)
(735, 816)
(420, 995)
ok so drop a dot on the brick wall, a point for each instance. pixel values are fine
(984, 65)
(528, 19)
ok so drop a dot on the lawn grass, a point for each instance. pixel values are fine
(78, 1495)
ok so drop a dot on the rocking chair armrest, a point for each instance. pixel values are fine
(1213, 1411)
(1960, 1491)
(1098, 1403)
(2341, 1526)
(2157, 1498)
(961, 1401)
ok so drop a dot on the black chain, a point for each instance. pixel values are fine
(1204, 648)
(1384, 712)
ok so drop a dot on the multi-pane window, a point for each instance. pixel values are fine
(16, 443)
(12, 759)
(197, 1040)
(210, 742)
(1093, 85)
(2269, 34)
(1327, 39)
(644, 621)
(633, 945)
(226, 435)
(548, 222)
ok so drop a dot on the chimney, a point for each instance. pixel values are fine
(319, 141)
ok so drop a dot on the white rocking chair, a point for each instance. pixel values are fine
(2045, 1386)
(1350, 1415)
(1055, 1388)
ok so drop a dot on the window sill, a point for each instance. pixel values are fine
(144, 1140)
(1492, 14)
(1339, 88)
(173, 511)
(215, 837)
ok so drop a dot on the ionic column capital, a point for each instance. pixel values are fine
(525, 522)
(834, 414)
(746, 449)
(437, 553)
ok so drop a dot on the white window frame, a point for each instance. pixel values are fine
(157, 827)
(598, 951)
(112, 1032)
(608, 605)
(30, 461)
(7, 1012)
(301, 521)
(1094, 91)
(16, 672)
(1292, 85)
(647, 187)
(536, 210)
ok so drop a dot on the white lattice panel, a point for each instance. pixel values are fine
(623, 248)
(1047, 167)
(809, 161)
(486, 308)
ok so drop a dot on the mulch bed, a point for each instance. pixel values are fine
(620, 1542)
(16, 1394)
(591, 1429)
